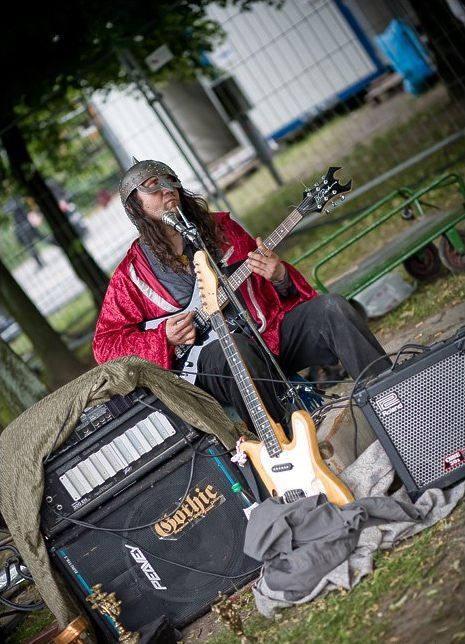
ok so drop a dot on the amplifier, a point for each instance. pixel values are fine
(167, 545)
(418, 413)
(113, 446)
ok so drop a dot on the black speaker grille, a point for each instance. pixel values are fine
(424, 417)
(206, 534)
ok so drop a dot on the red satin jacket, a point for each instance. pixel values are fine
(135, 295)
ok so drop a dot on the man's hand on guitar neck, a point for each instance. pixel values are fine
(266, 263)
(180, 329)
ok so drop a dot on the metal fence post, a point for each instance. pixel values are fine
(155, 99)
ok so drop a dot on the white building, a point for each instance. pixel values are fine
(291, 64)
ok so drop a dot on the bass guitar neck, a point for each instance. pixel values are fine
(327, 193)
(292, 468)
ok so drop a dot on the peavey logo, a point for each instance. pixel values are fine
(199, 502)
(146, 568)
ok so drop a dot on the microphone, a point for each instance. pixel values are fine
(170, 219)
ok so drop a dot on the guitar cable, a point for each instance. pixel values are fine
(117, 531)
(16, 562)
(410, 348)
(196, 451)
(179, 372)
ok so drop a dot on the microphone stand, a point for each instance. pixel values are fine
(191, 234)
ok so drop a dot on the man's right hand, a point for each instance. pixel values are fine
(180, 329)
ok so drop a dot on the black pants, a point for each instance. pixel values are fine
(322, 331)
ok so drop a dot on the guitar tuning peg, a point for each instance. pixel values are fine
(343, 197)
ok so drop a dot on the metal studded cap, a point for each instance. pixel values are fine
(140, 172)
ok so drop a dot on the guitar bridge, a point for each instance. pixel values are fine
(293, 495)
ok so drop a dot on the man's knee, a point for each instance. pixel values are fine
(335, 304)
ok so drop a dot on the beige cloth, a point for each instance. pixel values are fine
(29, 438)
(340, 440)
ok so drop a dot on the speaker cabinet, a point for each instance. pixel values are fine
(166, 545)
(418, 413)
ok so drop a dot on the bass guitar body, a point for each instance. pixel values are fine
(291, 469)
(297, 470)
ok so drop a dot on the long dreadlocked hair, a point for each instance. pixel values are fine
(153, 232)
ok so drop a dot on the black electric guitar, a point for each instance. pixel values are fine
(289, 469)
(315, 200)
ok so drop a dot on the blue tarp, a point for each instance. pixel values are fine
(400, 44)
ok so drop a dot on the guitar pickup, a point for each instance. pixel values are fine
(282, 467)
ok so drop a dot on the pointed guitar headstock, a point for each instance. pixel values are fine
(328, 191)
(207, 282)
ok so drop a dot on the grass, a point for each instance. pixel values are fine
(344, 141)
(429, 299)
(33, 624)
(374, 609)
(414, 574)
(265, 218)
(76, 319)
(447, 198)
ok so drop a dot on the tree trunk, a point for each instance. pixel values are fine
(19, 386)
(446, 39)
(59, 362)
(27, 175)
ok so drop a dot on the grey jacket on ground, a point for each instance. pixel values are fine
(300, 542)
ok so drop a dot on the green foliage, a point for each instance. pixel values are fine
(76, 46)
(70, 51)
(33, 624)
(20, 387)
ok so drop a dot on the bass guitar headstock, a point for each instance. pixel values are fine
(327, 192)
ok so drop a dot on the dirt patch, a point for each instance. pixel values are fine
(433, 611)
(211, 623)
(436, 328)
